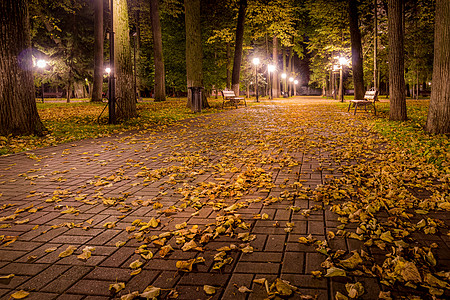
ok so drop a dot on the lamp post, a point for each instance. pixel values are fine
(291, 80)
(283, 76)
(295, 87)
(270, 69)
(256, 63)
(41, 64)
(135, 70)
(342, 63)
(112, 82)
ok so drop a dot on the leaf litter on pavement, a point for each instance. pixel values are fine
(382, 196)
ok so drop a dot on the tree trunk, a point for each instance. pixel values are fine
(357, 55)
(160, 85)
(439, 112)
(228, 65)
(126, 105)
(194, 52)
(98, 51)
(18, 111)
(238, 47)
(276, 80)
(397, 111)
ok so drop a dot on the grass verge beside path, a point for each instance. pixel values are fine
(68, 122)
(410, 136)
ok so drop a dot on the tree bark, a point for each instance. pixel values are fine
(439, 111)
(18, 111)
(397, 111)
(357, 55)
(276, 80)
(126, 105)
(238, 47)
(228, 65)
(97, 88)
(194, 52)
(160, 84)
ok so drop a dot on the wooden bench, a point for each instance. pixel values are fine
(231, 97)
(369, 99)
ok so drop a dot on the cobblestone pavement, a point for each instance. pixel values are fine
(140, 191)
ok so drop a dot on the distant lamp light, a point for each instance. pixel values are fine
(343, 61)
(291, 79)
(295, 81)
(41, 63)
(108, 70)
(256, 61)
(283, 75)
(271, 68)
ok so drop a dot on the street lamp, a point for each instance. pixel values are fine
(291, 80)
(283, 76)
(256, 63)
(270, 69)
(41, 64)
(295, 87)
(342, 62)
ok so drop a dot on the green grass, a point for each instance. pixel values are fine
(410, 135)
(68, 122)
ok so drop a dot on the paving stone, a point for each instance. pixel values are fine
(44, 277)
(90, 287)
(293, 262)
(257, 268)
(275, 243)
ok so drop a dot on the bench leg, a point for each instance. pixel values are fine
(356, 107)
(349, 105)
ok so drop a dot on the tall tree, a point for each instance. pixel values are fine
(276, 79)
(194, 52)
(160, 85)
(123, 63)
(439, 112)
(357, 55)
(238, 47)
(397, 97)
(18, 111)
(98, 51)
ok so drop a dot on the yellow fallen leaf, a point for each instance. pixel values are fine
(209, 289)
(150, 292)
(6, 279)
(117, 287)
(165, 250)
(68, 251)
(136, 264)
(48, 250)
(135, 272)
(20, 294)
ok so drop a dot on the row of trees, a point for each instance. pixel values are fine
(211, 43)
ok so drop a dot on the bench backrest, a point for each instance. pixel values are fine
(228, 94)
(371, 95)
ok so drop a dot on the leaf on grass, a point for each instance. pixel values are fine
(334, 272)
(68, 251)
(117, 287)
(20, 294)
(209, 289)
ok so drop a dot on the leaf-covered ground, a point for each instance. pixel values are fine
(288, 199)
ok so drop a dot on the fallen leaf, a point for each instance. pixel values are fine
(151, 292)
(209, 289)
(136, 264)
(244, 289)
(117, 287)
(68, 251)
(6, 279)
(20, 294)
(333, 272)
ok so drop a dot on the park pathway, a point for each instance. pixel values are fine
(226, 206)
